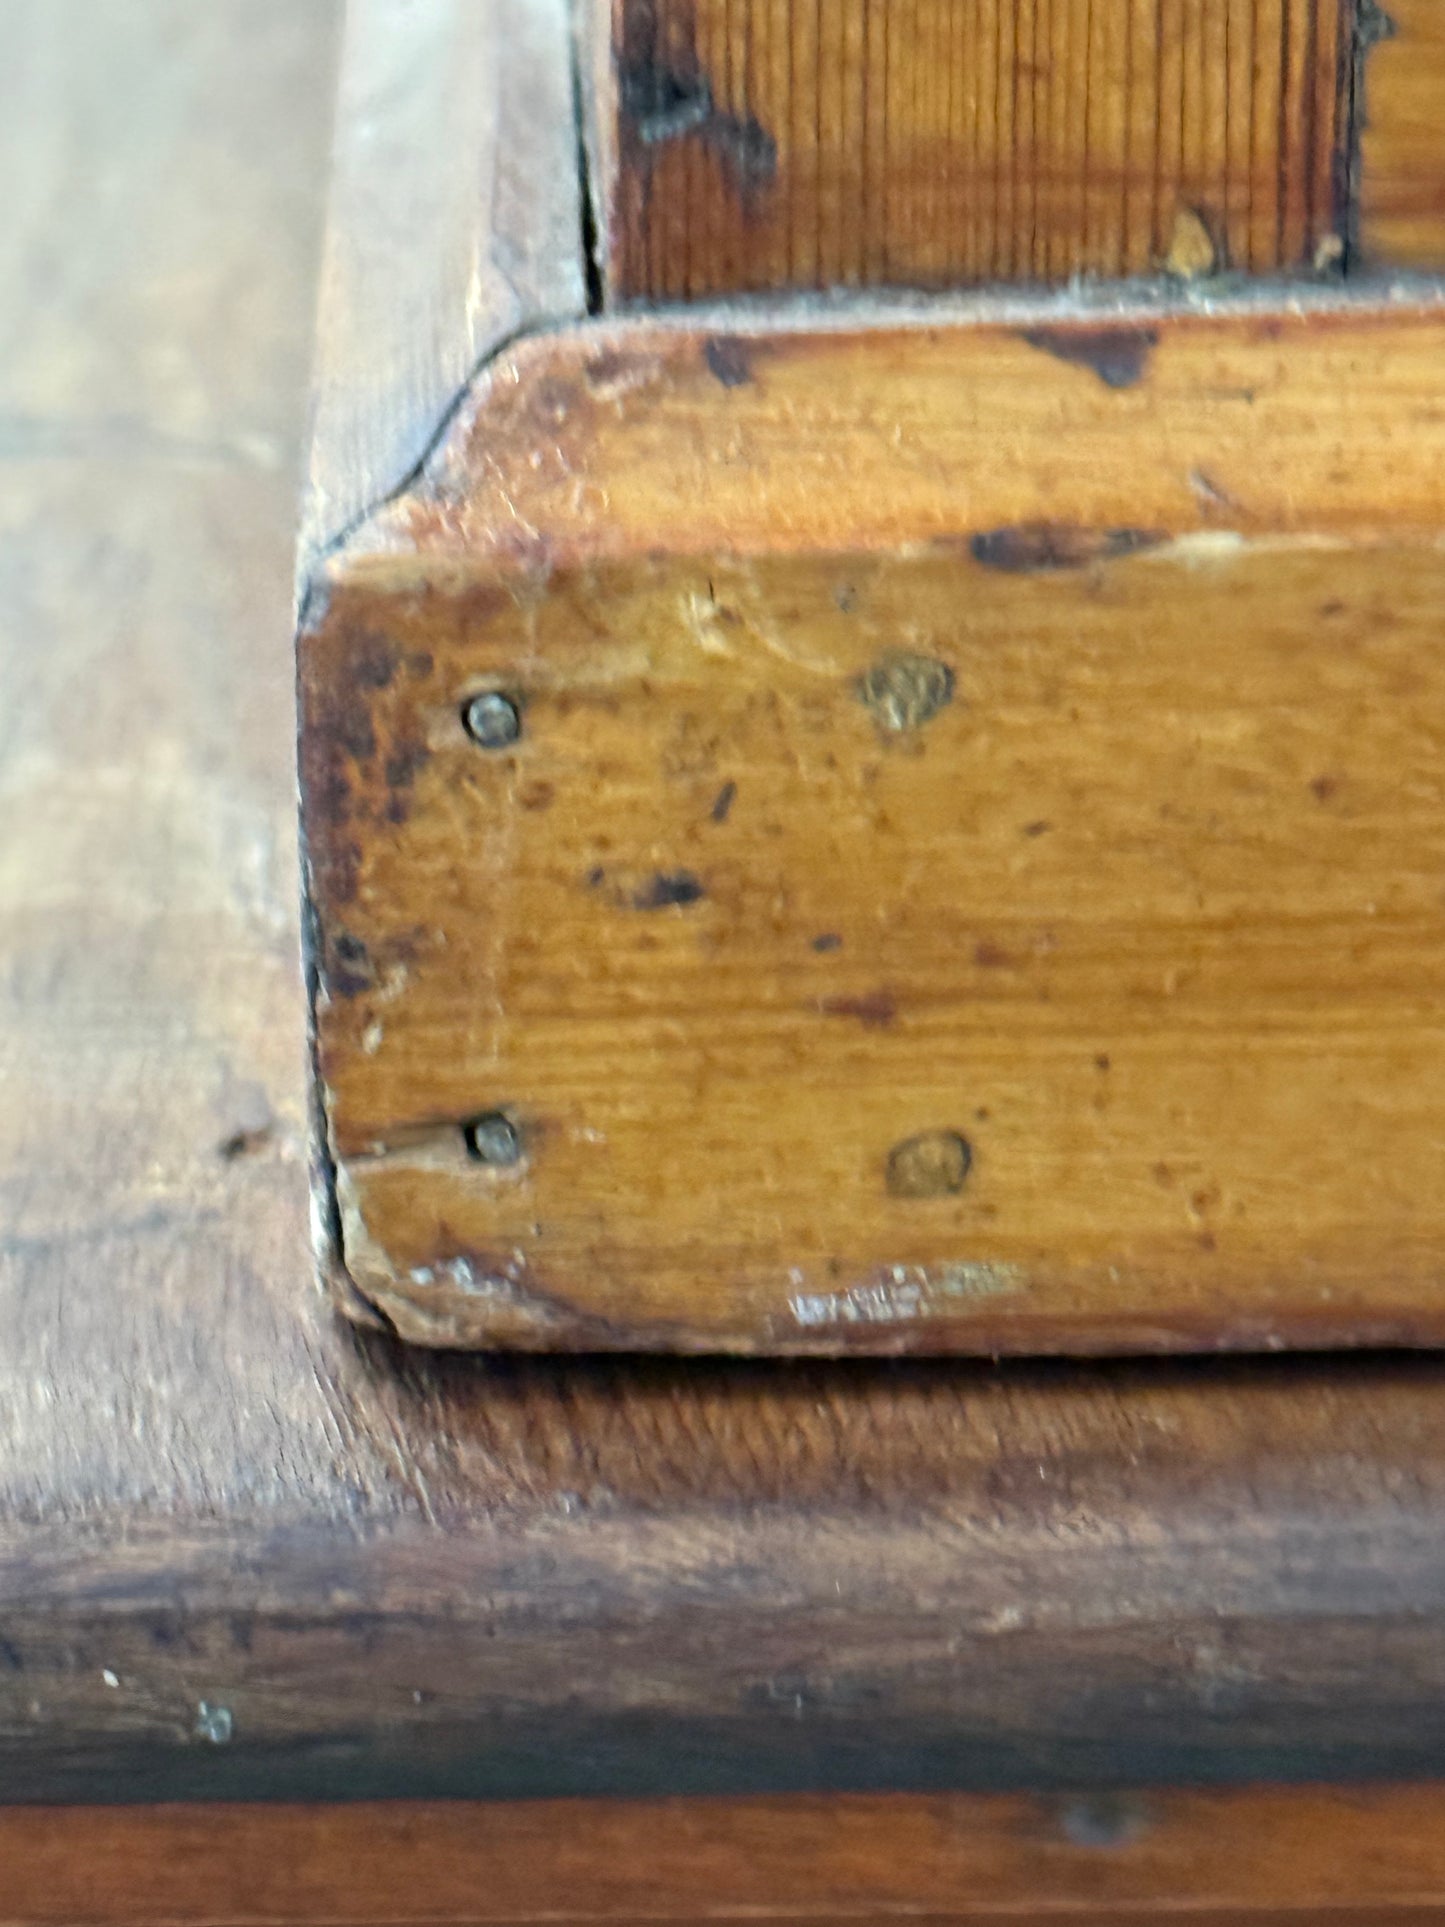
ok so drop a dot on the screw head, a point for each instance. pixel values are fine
(494, 1139)
(492, 720)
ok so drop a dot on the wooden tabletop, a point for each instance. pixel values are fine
(244, 1549)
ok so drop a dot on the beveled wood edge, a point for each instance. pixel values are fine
(454, 225)
(1047, 1578)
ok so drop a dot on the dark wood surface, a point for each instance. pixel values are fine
(247, 1551)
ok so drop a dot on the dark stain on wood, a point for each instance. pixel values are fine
(874, 1009)
(374, 660)
(729, 358)
(1041, 547)
(404, 762)
(723, 802)
(1119, 356)
(664, 96)
(346, 966)
(669, 889)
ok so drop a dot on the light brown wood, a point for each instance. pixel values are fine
(455, 222)
(771, 144)
(1402, 142)
(979, 891)
(1282, 1857)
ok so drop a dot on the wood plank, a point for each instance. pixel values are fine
(935, 145)
(455, 222)
(1286, 1858)
(575, 1577)
(1402, 144)
(931, 910)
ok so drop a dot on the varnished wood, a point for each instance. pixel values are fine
(772, 144)
(1286, 1858)
(569, 1577)
(1402, 159)
(985, 902)
(407, 1574)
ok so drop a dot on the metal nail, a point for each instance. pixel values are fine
(494, 1139)
(492, 720)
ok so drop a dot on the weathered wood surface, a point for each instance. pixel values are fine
(454, 223)
(976, 890)
(1273, 1857)
(403, 1574)
(746, 145)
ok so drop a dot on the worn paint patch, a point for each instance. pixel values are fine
(1119, 356)
(1041, 547)
(903, 1293)
(902, 691)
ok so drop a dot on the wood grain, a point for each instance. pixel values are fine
(1402, 145)
(403, 1573)
(937, 912)
(454, 223)
(1286, 1858)
(744, 145)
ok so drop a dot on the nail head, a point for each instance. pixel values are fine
(494, 1139)
(492, 720)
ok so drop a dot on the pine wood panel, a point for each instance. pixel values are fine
(771, 144)
(934, 907)
(1285, 1858)
(1402, 142)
